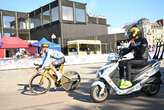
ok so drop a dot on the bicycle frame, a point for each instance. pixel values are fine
(47, 71)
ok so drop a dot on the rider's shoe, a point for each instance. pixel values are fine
(119, 81)
(125, 84)
(59, 75)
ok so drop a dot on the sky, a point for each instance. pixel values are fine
(118, 12)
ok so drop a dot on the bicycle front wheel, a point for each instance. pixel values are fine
(38, 85)
(70, 80)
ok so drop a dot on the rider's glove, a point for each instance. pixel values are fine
(123, 51)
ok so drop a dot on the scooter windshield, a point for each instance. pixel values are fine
(113, 56)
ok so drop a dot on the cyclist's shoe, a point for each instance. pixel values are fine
(125, 84)
(57, 85)
(59, 75)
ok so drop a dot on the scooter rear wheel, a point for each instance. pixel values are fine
(95, 94)
(151, 89)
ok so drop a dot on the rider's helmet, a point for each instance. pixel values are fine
(45, 45)
(133, 32)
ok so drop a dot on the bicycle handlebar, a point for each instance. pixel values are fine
(37, 66)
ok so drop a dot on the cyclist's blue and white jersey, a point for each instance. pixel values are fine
(51, 54)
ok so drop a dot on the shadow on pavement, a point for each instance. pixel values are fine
(97, 107)
(82, 93)
(26, 90)
(129, 102)
(134, 101)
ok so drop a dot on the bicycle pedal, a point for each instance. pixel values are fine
(57, 85)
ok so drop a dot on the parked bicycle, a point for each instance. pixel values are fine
(40, 83)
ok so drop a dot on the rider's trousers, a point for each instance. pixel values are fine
(122, 65)
(126, 65)
(131, 64)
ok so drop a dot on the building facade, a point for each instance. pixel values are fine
(14, 24)
(152, 31)
(66, 19)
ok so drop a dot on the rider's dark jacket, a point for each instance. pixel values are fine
(140, 50)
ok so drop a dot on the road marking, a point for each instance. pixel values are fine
(71, 102)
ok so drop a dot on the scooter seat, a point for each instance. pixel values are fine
(140, 68)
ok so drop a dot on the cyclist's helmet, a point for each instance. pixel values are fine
(133, 32)
(44, 45)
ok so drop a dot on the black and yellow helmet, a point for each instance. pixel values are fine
(133, 32)
(44, 45)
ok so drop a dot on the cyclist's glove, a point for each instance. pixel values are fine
(38, 66)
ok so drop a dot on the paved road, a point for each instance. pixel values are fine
(15, 94)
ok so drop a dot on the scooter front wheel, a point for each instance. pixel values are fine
(96, 96)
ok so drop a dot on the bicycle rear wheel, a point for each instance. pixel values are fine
(36, 87)
(72, 84)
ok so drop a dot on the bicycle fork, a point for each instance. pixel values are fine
(41, 81)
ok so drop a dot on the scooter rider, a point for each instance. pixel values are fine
(140, 47)
(58, 58)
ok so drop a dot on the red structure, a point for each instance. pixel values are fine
(12, 43)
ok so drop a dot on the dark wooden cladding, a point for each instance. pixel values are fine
(102, 21)
(92, 20)
(66, 3)
(80, 5)
(45, 8)
(8, 13)
(54, 4)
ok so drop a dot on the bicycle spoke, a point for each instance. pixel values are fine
(38, 85)
(70, 80)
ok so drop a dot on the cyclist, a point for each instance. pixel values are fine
(139, 45)
(57, 59)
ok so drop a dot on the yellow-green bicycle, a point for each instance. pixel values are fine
(40, 83)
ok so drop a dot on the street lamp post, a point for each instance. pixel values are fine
(53, 36)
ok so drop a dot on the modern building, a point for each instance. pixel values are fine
(14, 24)
(66, 19)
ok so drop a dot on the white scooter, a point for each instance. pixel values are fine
(145, 79)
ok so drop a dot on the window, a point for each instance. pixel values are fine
(55, 14)
(46, 17)
(92, 20)
(35, 21)
(23, 23)
(9, 34)
(9, 22)
(67, 13)
(80, 15)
